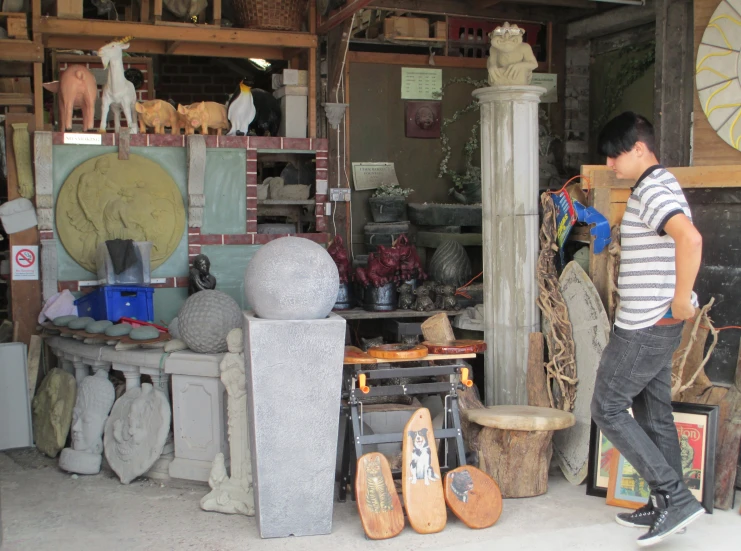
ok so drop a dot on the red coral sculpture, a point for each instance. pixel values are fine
(339, 254)
(410, 266)
(383, 268)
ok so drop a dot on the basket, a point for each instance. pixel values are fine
(279, 15)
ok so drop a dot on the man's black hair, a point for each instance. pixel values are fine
(621, 134)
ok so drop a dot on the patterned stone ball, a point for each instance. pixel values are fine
(291, 278)
(205, 320)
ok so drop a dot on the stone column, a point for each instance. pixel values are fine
(82, 370)
(509, 181)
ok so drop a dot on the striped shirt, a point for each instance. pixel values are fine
(647, 265)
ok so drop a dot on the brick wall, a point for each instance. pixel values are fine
(577, 105)
(190, 79)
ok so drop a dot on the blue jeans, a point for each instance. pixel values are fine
(635, 372)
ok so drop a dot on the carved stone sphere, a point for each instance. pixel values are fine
(205, 320)
(291, 278)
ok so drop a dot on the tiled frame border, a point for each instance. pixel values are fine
(254, 145)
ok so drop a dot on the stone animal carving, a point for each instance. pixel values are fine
(383, 268)
(339, 254)
(203, 115)
(118, 93)
(76, 89)
(410, 266)
(445, 298)
(424, 303)
(95, 398)
(510, 61)
(279, 190)
(406, 296)
(365, 344)
(199, 277)
(157, 114)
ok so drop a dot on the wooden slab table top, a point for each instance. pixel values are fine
(355, 356)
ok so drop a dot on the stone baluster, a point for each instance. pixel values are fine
(131, 373)
(82, 369)
(162, 382)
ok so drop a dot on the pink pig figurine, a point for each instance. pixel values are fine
(76, 89)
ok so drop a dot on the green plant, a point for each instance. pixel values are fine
(472, 174)
(392, 190)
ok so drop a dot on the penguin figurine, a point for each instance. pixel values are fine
(241, 110)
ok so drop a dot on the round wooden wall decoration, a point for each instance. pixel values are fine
(107, 198)
(717, 72)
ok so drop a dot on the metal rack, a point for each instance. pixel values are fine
(353, 439)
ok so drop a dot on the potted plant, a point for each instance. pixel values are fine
(388, 203)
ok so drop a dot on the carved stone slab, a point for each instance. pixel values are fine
(136, 431)
(591, 329)
(52, 411)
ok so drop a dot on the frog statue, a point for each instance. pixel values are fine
(511, 62)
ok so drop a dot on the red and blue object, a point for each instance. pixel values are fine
(570, 211)
(114, 302)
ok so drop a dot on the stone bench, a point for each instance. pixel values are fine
(514, 445)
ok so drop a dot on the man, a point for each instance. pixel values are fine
(660, 258)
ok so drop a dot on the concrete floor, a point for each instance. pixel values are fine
(46, 509)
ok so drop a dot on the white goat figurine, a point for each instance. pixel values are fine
(118, 93)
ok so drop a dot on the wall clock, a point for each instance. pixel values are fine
(718, 72)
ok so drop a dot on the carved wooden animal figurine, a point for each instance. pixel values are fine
(118, 93)
(510, 61)
(204, 115)
(410, 266)
(339, 254)
(76, 89)
(424, 302)
(383, 267)
(158, 114)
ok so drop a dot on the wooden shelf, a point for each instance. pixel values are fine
(287, 202)
(360, 314)
(199, 40)
(16, 99)
(23, 51)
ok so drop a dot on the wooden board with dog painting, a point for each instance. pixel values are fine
(422, 485)
(473, 496)
(378, 503)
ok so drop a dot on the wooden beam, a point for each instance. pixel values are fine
(181, 48)
(674, 83)
(413, 59)
(25, 100)
(144, 11)
(510, 11)
(312, 92)
(217, 13)
(722, 176)
(338, 16)
(172, 46)
(157, 11)
(21, 50)
(196, 33)
(38, 94)
(611, 21)
(25, 294)
(337, 44)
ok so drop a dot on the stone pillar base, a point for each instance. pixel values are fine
(294, 380)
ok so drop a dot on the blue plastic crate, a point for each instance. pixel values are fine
(113, 302)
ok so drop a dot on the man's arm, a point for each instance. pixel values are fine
(688, 255)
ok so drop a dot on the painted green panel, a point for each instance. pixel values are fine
(228, 263)
(225, 189)
(173, 159)
(167, 303)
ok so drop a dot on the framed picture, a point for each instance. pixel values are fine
(612, 476)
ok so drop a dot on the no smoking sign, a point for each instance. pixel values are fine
(25, 262)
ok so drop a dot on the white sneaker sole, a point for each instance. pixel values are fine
(656, 539)
(621, 522)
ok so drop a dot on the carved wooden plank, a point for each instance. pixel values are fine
(378, 503)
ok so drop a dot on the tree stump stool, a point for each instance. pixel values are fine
(514, 445)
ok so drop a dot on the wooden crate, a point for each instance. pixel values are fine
(407, 27)
(440, 29)
(15, 24)
(69, 9)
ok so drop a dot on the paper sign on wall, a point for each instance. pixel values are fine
(548, 81)
(421, 83)
(25, 262)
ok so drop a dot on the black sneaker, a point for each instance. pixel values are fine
(669, 519)
(640, 518)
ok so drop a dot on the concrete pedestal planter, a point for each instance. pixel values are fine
(380, 299)
(387, 209)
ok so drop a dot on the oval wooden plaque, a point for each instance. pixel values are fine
(460, 346)
(378, 503)
(420, 471)
(473, 496)
(398, 351)
(353, 355)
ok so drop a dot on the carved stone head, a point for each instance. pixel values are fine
(95, 397)
(506, 38)
(202, 264)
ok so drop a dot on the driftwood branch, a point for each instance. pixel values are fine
(677, 386)
(561, 368)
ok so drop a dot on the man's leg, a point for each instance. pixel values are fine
(631, 360)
